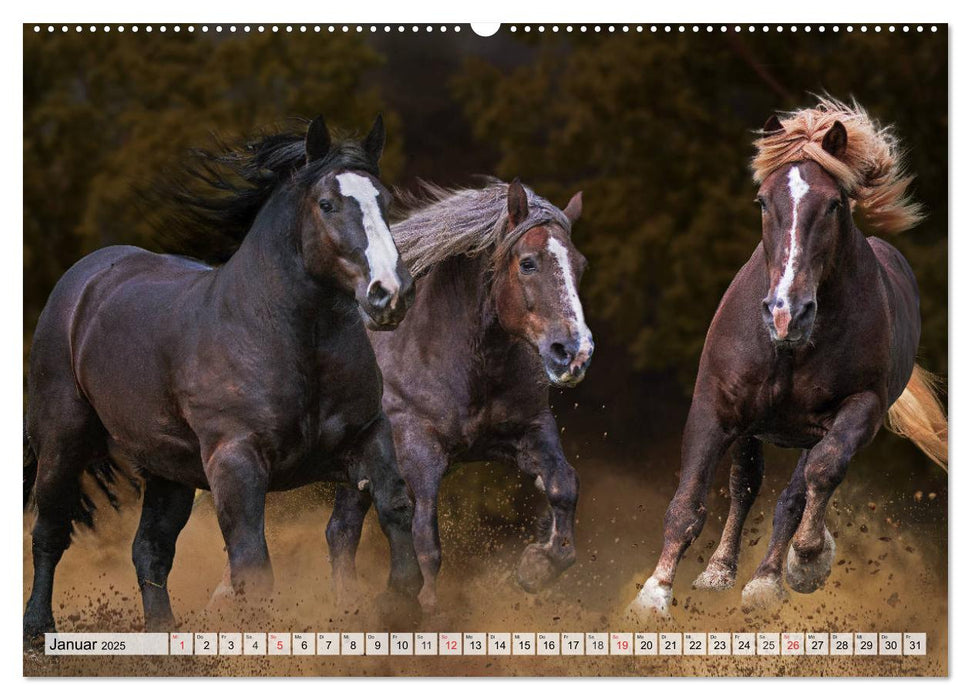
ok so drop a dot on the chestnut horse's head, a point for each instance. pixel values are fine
(345, 237)
(804, 211)
(536, 291)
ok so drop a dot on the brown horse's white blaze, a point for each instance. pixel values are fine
(578, 346)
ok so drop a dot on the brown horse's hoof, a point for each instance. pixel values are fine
(536, 569)
(806, 576)
(764, 593)
(715, 578)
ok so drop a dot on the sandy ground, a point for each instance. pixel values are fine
(891, 575)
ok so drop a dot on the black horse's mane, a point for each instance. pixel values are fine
(205, 208)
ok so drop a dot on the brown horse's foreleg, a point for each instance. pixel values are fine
(746, 479)
(541, 456)
(238, 479)
(165, 511)
(765, 590)
(813, 547)
(703, 445)
(372, 465)
(344, 535)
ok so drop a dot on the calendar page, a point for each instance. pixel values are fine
(533, 349)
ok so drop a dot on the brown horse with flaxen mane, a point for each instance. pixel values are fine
(812, 346)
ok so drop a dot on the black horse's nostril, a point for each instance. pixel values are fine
(378, 296)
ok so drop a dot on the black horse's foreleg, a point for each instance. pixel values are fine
(238, 480)
(765, 589)
(165, 511)
(748, 468)
(344, 534)
(372, 465)
(813, 547)
(541, 456)
(703, 445)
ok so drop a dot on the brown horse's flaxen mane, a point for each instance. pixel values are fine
(871, 170)
(443, 223)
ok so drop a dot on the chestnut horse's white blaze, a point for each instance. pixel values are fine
(572, 298)
(797, 190)
(381, 253)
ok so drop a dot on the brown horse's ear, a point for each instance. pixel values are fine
(517, 202)
(374, 142)
(574, 208)
(834, 142)
(772, 125)
(318, 140)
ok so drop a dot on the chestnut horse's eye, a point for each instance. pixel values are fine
(326, 206)
(834, 206)
(760, 202)
(527, 265)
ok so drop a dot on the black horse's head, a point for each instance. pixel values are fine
(345, 236)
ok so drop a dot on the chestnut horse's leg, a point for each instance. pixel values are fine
(813, 547)
(372, 460)
(765, 589)
(165, 511)
(541, 456)
(748, 467)
(703, 445)
(238, 479)
(344, 534)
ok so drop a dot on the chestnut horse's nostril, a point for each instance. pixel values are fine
(561, 354)
(805, 311)
(378, 296)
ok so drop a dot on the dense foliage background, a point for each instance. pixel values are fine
(655, 128)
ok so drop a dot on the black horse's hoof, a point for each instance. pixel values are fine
(537, 569)
(34, 633)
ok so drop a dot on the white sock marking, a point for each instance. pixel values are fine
(797, 190)
(381, 254)
(562, 258)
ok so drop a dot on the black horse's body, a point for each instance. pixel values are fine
(253, 376)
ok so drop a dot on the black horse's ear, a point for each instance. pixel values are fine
(834, 142)
(517, 202)
(772, 125)
(374, 142)
(318, 139)
(574, 208)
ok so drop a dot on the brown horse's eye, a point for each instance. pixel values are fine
(326, 206)
(527, 265)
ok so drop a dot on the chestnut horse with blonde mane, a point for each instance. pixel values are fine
(812, 346)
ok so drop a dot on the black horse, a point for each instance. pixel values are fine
(252, 376)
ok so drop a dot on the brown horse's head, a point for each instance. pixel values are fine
(536, 292)
(346, 238)
(803, 210)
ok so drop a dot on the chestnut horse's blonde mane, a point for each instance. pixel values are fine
(441, 223)
(871, 170)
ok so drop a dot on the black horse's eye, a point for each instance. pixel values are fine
(326, 205)
(527, 265)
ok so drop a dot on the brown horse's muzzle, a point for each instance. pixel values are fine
(385, 308)
(789, 324)
(566, 359)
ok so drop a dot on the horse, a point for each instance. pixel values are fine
(250, 376)
(812, 345)
(496, 320)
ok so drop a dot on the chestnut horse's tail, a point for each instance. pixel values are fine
(918, 415)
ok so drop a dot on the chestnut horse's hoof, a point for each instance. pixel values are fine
(537, 569)
(806, 576)
(652, 602)
(715, 578)
(764, 593)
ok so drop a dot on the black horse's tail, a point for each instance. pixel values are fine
(103, 473)
(30, 467)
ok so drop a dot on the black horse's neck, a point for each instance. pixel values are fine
(266, 277)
